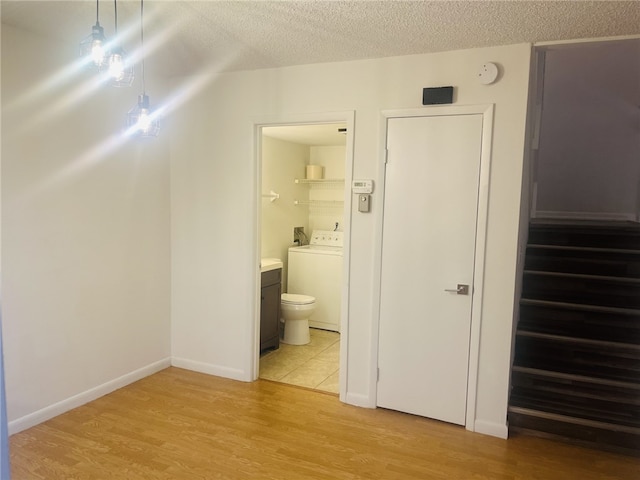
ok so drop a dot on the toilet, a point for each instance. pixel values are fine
(295, 311)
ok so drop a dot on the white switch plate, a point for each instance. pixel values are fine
(364, 203)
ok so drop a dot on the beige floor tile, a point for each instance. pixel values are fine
(276, 367)
(331, 384)
(309, 365)
(310, 374)
(298, 353)
(330, 354)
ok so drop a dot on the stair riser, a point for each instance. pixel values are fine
(614, 364)
(628, 239)
(586, 263)
(609, 327)
(586, 291)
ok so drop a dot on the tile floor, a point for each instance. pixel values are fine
(314, 365)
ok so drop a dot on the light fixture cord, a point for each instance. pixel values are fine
(142, 44)
(97, 12)
(115, 16)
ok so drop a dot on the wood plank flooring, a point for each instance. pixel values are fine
(179, 424)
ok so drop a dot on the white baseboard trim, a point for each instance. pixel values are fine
(623, 217)
(359, 400)
(210, 369)
(499, 430)
(87, 396)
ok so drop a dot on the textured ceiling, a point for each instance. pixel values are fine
(188, 36)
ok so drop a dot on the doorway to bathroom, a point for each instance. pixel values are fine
(303, 172)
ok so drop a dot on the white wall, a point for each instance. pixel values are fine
(214, 208)
(282, 163)
(589, 155)
(332, 158)
(85, 236)
(5, 469)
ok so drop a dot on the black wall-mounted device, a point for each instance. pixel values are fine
(437, 95)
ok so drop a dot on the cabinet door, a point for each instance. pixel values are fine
(270, 317)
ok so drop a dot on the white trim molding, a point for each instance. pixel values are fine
(82, 398)
(210, 369)
(359, 400)
(500, 430)
(347, 117)
(552, 43)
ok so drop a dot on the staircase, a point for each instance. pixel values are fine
(576, 369)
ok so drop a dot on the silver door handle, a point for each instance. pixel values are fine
(461, 290)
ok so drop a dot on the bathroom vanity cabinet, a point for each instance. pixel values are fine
(270, 309)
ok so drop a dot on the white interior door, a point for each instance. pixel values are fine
(428, 249)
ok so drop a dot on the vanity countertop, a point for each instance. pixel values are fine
(267, 264)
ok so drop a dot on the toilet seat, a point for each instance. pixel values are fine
(296, 299)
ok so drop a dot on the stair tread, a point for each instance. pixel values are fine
(527, 384)
(628, 280)
(584, 408)
(578, 340)
(577, 378)
(573, 223)
(580, 306)
(575, 420)
(573, 248)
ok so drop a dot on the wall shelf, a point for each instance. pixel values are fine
(328, 183)
(323, 181)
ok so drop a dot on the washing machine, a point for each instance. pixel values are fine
(316, 270)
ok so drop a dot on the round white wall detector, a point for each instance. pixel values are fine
(488, 73)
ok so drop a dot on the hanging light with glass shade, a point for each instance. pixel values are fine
(120, 68)
(93, 47)
(142, 121)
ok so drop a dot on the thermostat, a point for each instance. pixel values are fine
(362, 186)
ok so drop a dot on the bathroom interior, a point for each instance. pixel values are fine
(302, 217)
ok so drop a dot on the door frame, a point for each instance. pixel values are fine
(348, 118)
(481, 234)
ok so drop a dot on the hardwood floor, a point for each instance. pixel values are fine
(178, 424)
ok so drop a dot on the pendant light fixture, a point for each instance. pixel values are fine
(120, 68)
(142, 121)
(93, 47)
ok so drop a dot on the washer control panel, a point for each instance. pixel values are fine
(326, 238)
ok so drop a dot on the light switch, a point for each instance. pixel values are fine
(364, 203)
